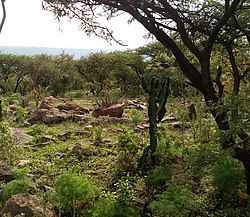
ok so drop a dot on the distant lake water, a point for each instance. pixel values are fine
(30, 51)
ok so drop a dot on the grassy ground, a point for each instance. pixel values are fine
(189, 180)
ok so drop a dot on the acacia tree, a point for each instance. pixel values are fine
(93, 71)
(200, 25)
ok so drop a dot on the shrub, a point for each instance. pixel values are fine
(108, 100)
(227, 174)
(136, 117)
(74, 192)
(20, 114)
(159, 175)
(19, 185)
(128, 152)
(175, 201)
(7, 147)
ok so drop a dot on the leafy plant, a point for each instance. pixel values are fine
(136, 117)
(108, 100)
(7, 146)
(159, 175)
(175, 201)
(227, 174)
(128, 149)
(74, 192)
(19, 185)
(20, 114)
(104, 206)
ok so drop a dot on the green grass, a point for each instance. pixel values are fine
(109, 152)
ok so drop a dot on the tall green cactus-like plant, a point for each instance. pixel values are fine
(1, 110)
(157, 98)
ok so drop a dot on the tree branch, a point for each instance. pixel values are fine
(227, 15)
(4, 15)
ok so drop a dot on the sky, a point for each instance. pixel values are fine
(27, 24)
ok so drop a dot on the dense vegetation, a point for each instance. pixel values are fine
(184, 154)
(111, 168)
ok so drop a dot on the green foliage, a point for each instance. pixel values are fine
(74, 191)
(201, 158)
(7, 146)
(76, 94)
(20, 114)
(166, 146)
(1, 110)
(175, 201)
(36, 131)
(124, 190)
(159, 175)
(103, 207)
(227, 174)
(108, 100)
(128, 150)
(136, 117)
(19, 185)
(12, 97)
(118, 204)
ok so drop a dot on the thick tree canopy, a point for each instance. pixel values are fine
(199, 25)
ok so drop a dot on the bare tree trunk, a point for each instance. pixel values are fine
(4, 15)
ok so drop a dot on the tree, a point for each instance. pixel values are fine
(201, 26)
(93, 71)
(64, 67)
(13, 70)
(119, 65)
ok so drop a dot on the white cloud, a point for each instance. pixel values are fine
(28, 25)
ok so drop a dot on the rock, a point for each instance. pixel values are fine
(179, 125)
(22, 137)
(108, 141)
(5, 172)
(77, 117)
(112, 111)
(81, 133)
(12, 108)
(27, 205)
(176, 125)
(64, 136)
(50, 99)
(45, 105)
(89, 126)
(37, 116)
(45, 140)
(135, 104)
(54, 118)
(169, 119)
(72, 107)
(140, 127)
(22, 163)
(77, 151)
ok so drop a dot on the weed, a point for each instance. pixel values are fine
(136, 117)
(19, 185)
(175, 201)
(74, 192)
